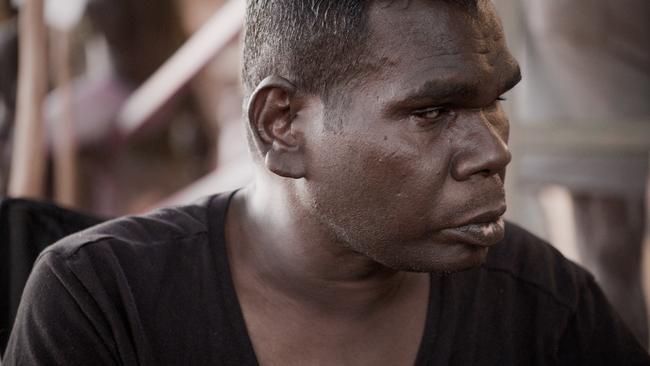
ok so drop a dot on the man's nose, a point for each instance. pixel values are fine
(483, 151)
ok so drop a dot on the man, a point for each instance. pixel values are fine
(372, 234)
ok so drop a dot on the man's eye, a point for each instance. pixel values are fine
(430, 113)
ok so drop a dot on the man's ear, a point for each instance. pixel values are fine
(271, 111)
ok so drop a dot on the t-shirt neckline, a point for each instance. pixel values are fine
(217, 214)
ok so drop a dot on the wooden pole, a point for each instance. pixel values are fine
(28, 158)
(65, 144)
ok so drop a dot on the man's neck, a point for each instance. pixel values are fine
(301, 290)
(293, 255)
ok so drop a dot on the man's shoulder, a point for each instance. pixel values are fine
(130, 287)
(155, 229)
(534, 262)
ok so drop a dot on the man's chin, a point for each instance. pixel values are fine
(469, 258)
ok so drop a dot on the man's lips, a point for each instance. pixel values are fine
(482, 235)
(484, 229)
(485, 216)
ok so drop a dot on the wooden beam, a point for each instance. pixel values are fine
(173, 75)
(29, 153)
(65, 143)
(597, 136)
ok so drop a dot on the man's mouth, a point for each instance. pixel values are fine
(484, 230)
(484, 234)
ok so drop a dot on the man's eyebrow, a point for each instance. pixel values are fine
(441, 90)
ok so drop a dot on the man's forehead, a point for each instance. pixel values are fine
(434, 24)
(439, 48)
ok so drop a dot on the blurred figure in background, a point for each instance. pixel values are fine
(116, 46)
(588, 64)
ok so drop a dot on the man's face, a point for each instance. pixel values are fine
(408, 167)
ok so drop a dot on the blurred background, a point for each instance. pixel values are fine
(114, 107)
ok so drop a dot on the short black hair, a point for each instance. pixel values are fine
(315, 44)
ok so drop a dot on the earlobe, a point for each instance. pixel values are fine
(288, 164)
(271, 111)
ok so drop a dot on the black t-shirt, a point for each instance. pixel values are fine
(157, 290)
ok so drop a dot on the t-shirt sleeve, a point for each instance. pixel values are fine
(596, 335)
(57, 323)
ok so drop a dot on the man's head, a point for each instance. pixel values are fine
(381, 120)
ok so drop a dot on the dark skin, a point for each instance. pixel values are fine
(355, 201)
